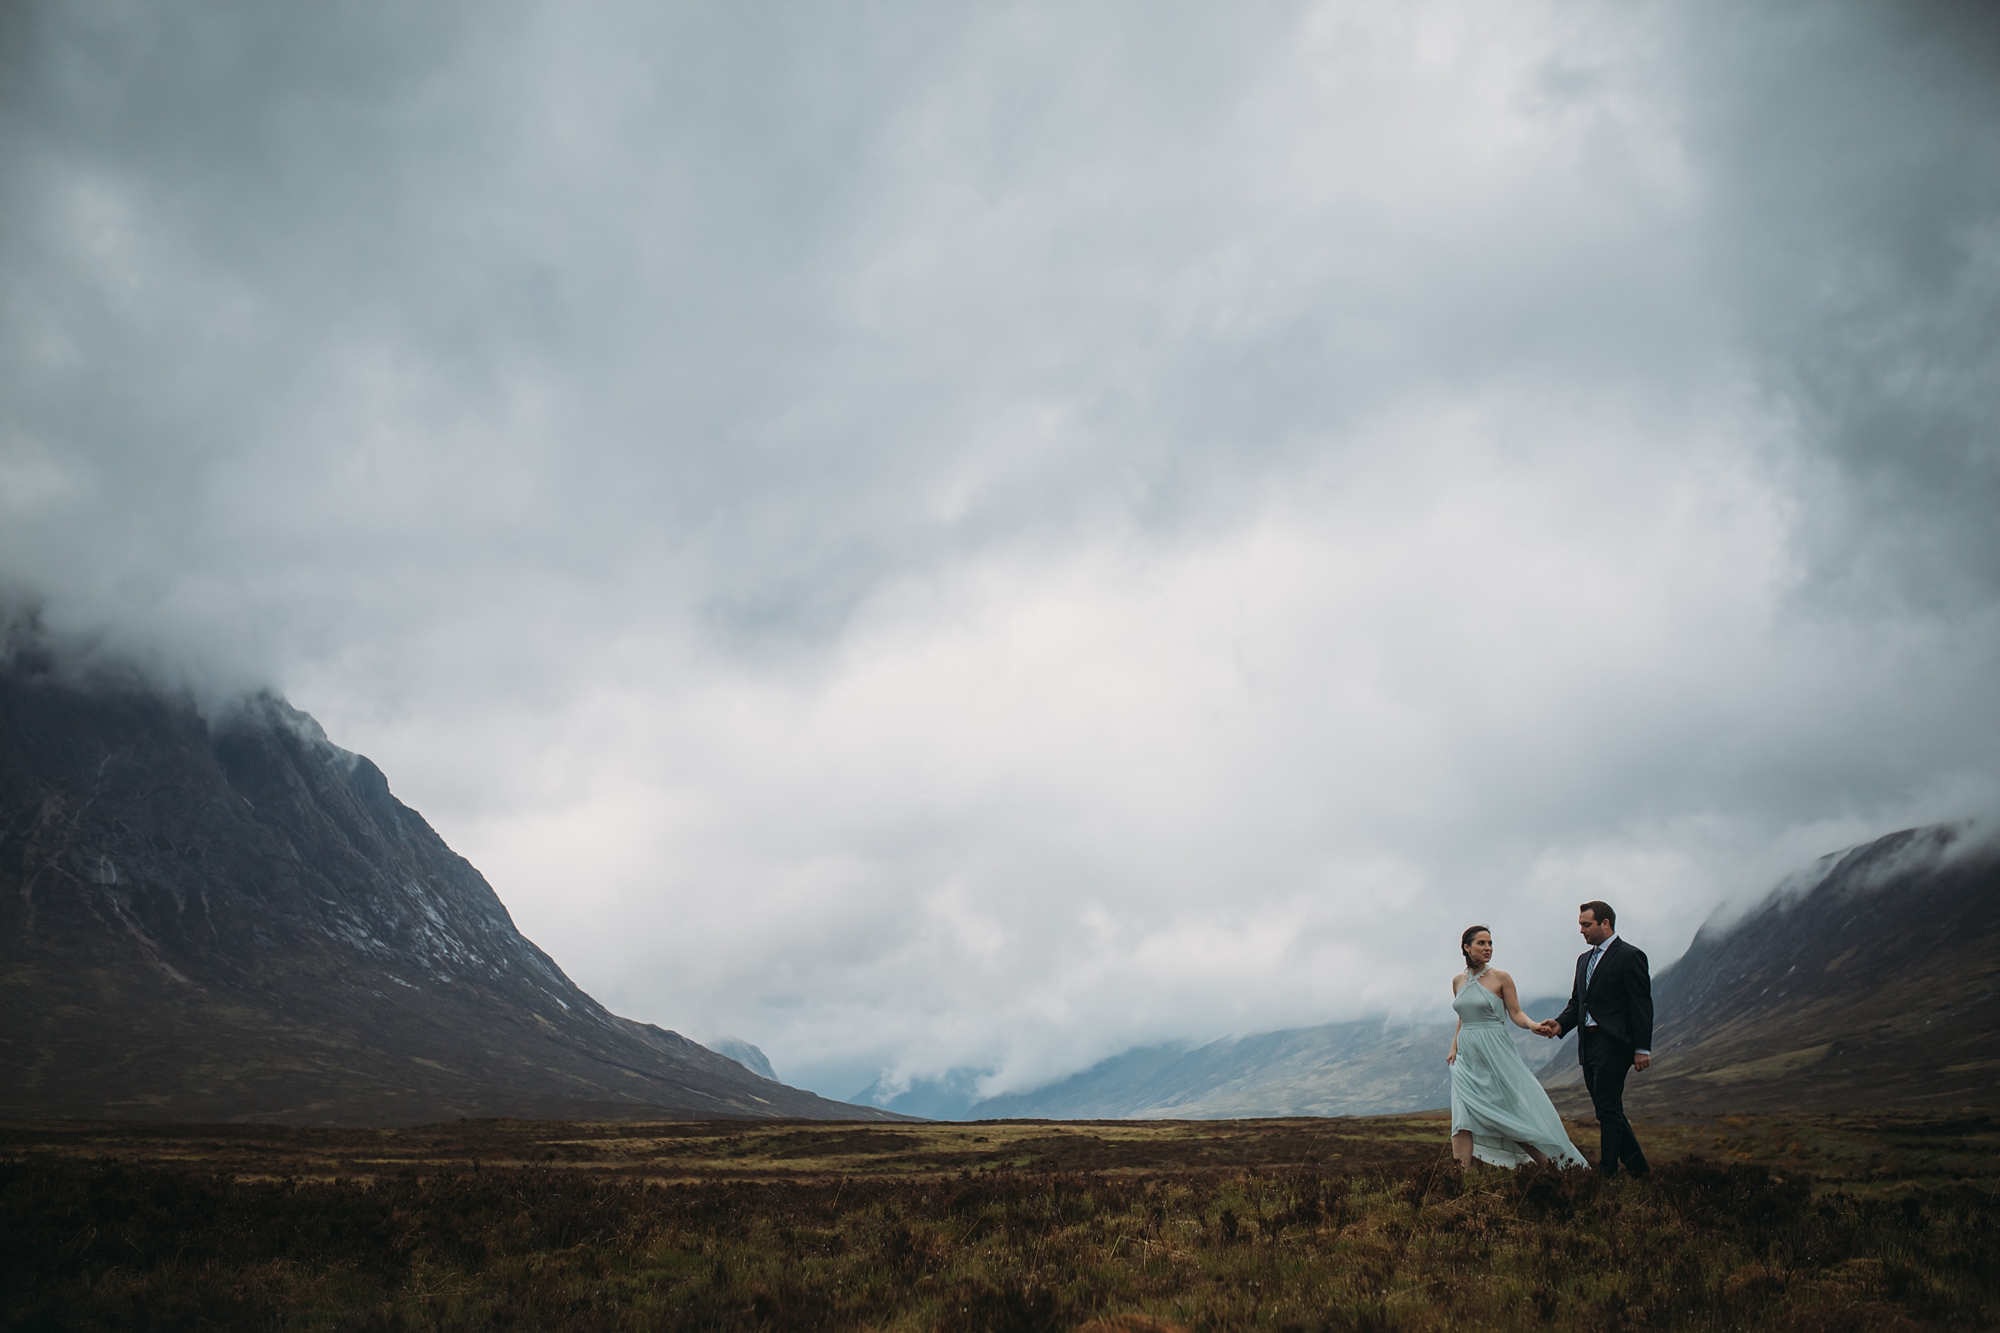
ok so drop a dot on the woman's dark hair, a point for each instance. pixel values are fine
(1465, 940)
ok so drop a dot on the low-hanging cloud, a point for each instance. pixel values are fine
(932, 539)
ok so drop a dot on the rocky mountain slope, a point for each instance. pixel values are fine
(1872, 980)
(236, 920)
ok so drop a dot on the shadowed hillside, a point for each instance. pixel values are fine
(1873, 980)
(237, 920)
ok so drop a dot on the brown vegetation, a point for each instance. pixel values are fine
(1793, 1224)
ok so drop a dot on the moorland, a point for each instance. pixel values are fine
(1822, 1222)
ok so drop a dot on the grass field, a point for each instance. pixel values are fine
(1799, 1223)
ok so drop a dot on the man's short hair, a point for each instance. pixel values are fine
(1602, 911)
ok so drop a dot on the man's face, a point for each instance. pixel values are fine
(1595, 932)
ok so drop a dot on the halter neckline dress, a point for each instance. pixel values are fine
(1494, 1095)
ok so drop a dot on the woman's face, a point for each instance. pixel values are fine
(1481, 949)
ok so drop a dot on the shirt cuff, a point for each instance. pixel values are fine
(1642, 1052)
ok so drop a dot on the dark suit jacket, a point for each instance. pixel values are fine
(1620, 997)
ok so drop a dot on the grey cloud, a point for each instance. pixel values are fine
(686, 271)
(872, 483)
(1857, 194)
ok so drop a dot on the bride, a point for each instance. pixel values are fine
(1499, 1113)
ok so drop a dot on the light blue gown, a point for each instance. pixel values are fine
(1494, 1095)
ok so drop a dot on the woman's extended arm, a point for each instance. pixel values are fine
(1452, 1057)
(1510, 998)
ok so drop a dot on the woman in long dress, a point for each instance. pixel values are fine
(1499, 1113)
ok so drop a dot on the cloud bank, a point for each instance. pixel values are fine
(931, 539)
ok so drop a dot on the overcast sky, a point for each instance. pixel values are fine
(928, 536)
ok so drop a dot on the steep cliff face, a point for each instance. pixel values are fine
(1871, 980)
(236, 919)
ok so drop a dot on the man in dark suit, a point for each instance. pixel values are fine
(1612, 1001)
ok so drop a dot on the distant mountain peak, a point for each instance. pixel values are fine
(743, 1053)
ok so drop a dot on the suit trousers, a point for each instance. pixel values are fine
(1606, 1062)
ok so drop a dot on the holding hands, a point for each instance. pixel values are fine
(1548, 1027)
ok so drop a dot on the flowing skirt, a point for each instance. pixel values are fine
(1494, 1095)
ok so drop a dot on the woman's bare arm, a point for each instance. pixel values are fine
(1510, 998)
(1452, 1057)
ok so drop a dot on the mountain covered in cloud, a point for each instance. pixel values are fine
(235, 919)
(1369, 1067)
(1869, 980)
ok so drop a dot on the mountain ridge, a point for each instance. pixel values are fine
(234, 918)
(1870, 979)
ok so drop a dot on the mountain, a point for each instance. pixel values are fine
(1335, 1069)
(1871, 980)
(235, 919)
(1372, 1067)
(743, 1053)
(951, 1097)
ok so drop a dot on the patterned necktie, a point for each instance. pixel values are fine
(1589, 971)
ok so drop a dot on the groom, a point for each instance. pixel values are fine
(1612, 1002)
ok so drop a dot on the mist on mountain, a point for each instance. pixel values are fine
(234, 919)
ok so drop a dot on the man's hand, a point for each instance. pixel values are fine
(1640, 1061)
(1548, 1027)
